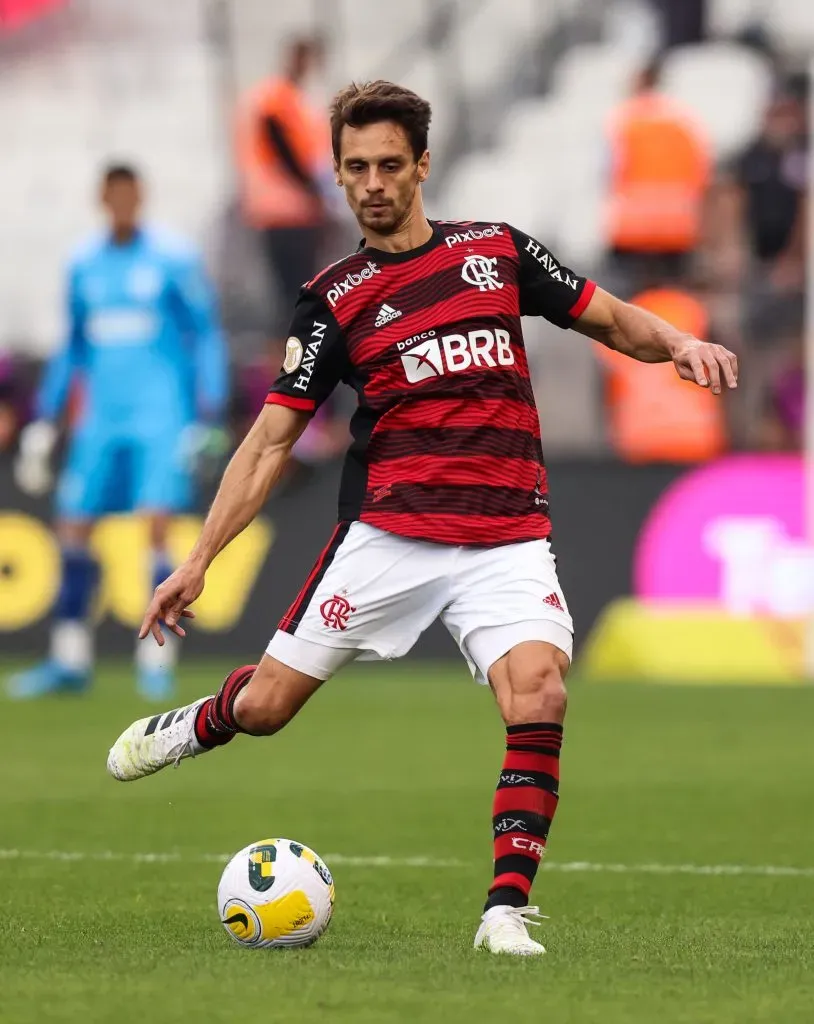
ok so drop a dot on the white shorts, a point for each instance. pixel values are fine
(372, 594)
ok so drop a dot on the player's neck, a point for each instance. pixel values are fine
(415, 231)
(124, 235)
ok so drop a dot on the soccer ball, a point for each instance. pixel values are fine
(276, 893)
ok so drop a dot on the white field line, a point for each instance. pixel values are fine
(343, 860)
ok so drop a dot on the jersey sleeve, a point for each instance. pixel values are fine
(199, 305)
(52, 395)
(547, 288)
(316, 356)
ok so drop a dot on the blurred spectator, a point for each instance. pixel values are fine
(283, 159)
(682, 21)
(652, 414)
(781, 426)
(660, 170)
(14, 400)
(760, 217)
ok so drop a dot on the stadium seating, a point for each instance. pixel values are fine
(597, 75)
(148, 83)
(792, 25)
(725, 85)
(487, 44)
(142, 87)
(790, 22)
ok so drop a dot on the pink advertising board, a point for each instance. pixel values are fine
(732, 533)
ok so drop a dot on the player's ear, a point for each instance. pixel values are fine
(424, 166)
(337, 175)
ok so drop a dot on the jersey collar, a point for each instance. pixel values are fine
(381, 256)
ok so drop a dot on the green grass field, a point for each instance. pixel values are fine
(399, 763)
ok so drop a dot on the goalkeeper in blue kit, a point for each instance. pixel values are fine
(145, 346)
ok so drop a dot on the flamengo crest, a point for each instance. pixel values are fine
(481, 271)
(336, 611)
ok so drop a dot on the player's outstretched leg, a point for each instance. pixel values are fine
(256, 699)
(528, 685)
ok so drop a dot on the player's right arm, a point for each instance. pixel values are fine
(67, 359)
(253, 470)
(314, 363)
(32, 468)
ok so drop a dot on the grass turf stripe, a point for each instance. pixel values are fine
(568, 867)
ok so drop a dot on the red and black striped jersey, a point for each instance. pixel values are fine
(446, 439)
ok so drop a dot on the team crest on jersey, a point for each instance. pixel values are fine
(293, 355)
(481, 272)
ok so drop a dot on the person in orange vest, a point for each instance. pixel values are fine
(652, 414)
(660, 171)
(283, 162)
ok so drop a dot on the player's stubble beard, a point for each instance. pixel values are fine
(395, 215)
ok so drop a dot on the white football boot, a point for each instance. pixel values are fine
(504, 930)
(153, 743)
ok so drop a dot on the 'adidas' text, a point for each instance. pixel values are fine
(386, 314)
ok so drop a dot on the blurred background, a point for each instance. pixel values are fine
(659, 146)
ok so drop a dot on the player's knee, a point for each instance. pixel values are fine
(262, 710)
(537, 694)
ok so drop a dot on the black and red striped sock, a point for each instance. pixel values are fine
(215, 721)
(525, 802)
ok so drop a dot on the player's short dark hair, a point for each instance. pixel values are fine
(120, 172)
(363, 103)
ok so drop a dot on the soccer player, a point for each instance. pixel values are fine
(144, 343)
(443, 508)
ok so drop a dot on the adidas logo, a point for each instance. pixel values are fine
(554, 601)
(386, 314)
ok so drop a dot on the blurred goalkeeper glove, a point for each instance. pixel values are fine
(204, 449)
(32, 467)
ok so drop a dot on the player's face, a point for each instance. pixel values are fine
(380, 175)
(122, 201)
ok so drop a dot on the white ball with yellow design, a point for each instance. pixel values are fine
(276, 893)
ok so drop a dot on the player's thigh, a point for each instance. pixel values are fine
(275, 693)
(370, 593)
(89, 475)
(507, 596)
(161, 481)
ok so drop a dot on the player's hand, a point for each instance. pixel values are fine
(32, 467)
(171, 602)
(706, 364)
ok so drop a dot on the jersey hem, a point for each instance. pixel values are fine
(544, 534)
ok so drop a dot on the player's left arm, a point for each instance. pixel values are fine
(550, 289)
(642, 335)
(201, 316)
